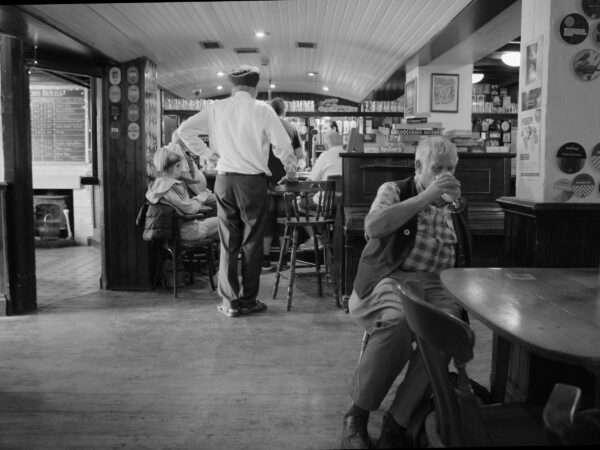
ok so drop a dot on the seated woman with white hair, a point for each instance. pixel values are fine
(168, 188)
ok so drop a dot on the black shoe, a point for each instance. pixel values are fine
(266, 264)
(392, 434)
(355, 434)
(252, 308)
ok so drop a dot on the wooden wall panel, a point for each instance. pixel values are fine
(125, 182)
(548, 235)
(16, 139)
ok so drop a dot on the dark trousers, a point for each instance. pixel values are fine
(241, 210)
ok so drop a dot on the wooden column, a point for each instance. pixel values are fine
(131, 138)
(16, 143)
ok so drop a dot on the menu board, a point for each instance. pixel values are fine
(58, 124)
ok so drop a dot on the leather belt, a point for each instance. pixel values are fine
(220, 172)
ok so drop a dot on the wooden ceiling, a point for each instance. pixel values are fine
(359, 43)
(360, 46)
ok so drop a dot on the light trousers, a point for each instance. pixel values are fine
(390, 345)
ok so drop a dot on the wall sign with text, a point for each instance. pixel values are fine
(586, 64)
(574, 28)
(58, 124)
(570, 157)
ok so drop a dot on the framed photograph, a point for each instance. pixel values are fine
(444, 92)
(410, 97)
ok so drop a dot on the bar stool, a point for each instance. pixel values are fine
(301, 211)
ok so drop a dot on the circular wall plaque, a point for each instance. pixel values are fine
(595, 158)
(570, 157)
(133, 131)
(563, 190)
(114, 130)
(133, 93)
(133, 113)
(586, 64)
(574, 28)
(582, 185)
(591, 8)
(133, 75)
(114, 94)
(114, 75)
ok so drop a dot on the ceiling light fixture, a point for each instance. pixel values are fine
(220, 74)
(219, 87)
(312, 74)
(512, 59)
(272, 86)
(325, 88)
(261, 33)
(476, 77)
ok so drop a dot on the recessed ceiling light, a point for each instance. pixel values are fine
(261, 33)
(476, 77)
(512, 59)
(272, 86)
(325, 88)
(312, 74)
(219, 87)
(220, 74)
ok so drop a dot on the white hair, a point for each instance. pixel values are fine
(439, 145)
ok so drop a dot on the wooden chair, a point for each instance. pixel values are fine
(321, 218)
(188, 253)
(459, 420)
(565, 423)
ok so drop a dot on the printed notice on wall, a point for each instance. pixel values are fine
(58, 125)
(531, 93)
(528, 162)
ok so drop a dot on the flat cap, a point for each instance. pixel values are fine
(245, 76)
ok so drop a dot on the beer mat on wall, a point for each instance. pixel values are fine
(574, 28)
(595, 158)
(591, 8)
(570, 157)
(582, 185)
(563, 190)
(586, 64)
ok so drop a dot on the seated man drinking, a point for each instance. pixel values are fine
(410, 236)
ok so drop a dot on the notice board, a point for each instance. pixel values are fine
(58, 125)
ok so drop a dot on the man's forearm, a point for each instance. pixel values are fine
(287, 157)
(387, 220)
(189, 131)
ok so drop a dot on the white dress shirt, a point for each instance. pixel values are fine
(240, 129)
(328, 163)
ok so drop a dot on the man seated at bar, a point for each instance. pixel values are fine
(329, 163)
(411, 234)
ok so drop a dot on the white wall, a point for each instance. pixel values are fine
(570, 108)
(451, 121)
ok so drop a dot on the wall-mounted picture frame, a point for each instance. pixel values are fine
(410, 97)
(444, 92)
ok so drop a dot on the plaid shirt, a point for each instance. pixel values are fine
(435, 241)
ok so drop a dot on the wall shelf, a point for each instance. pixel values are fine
(495, 116)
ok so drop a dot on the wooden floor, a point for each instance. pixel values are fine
(140, 370)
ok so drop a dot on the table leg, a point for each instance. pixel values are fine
(501, 349)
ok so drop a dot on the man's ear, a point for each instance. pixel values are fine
(418, 166)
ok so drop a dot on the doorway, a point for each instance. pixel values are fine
(67, 198)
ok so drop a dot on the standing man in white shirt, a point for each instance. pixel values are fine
(240, 129)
